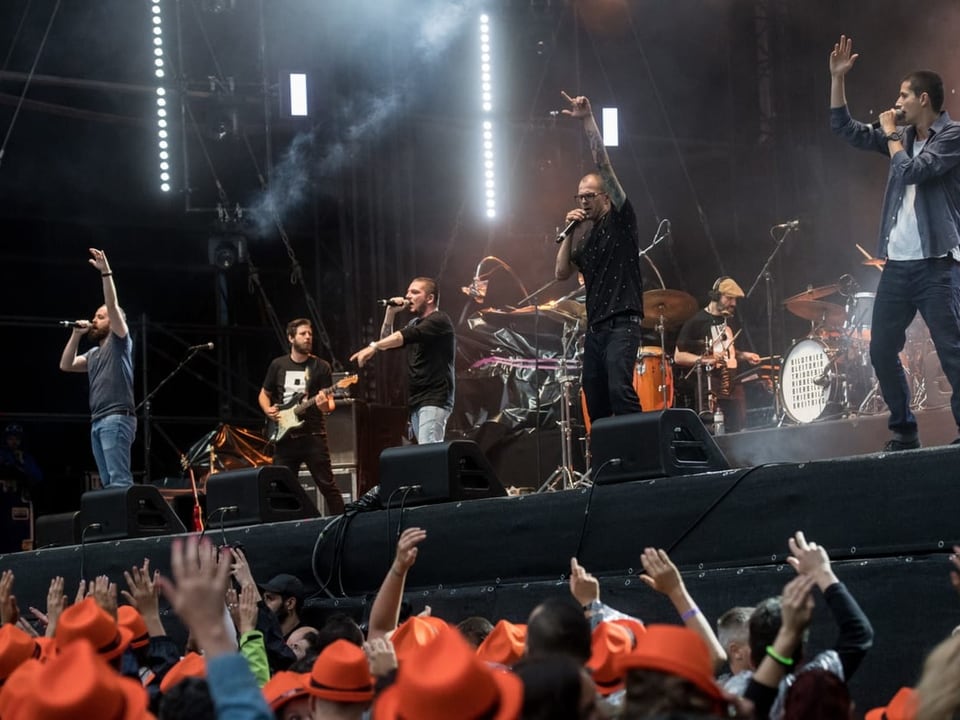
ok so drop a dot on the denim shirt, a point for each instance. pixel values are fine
(935, 171)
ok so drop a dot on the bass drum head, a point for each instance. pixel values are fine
(804, 393)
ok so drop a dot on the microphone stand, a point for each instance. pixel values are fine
(768, 284)
(147, 406)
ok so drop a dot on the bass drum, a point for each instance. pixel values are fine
(650, 374)
(807, 385)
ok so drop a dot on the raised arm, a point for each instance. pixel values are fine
(385, 610)
(842, 60)
(118, 322)
(580, 108)
(69, 360)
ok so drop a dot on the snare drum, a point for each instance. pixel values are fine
(650, 374)
(806, 384)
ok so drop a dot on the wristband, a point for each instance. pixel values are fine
(774, 655)
(373, 345)
(106, 274)
(692, 612)
(593, 606)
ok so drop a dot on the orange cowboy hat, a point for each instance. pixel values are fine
(16, 647)
(414, 633)
(191, 665)
(445, 679)
(902, 706)
(130, 618)
(283, 687)
(19, 686)
(676, 651)
(341, 673)
(87, 620)
(608, 643)
(635, 627)
(79, 683)
(504, 645)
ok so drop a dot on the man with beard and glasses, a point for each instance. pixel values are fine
(109, 367)
(296, 377)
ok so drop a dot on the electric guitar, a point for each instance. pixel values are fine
(291, 412)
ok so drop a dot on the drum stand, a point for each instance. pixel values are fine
(661, 328)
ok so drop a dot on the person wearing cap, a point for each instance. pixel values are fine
(14, 459)
(283, 595)
(339, 685)
(286, 693)
(109, 368)
(708, 339)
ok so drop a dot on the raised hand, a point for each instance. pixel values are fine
(247, 609)
(143, 593)
(659, 571)
(241, 571)
(584, 587)
(105, 594)
(579, 106)
(796, 605)
(955, 573)
(56, 602)
(809, 558)
(842, 58)
(98, 259)
(9, 612)
(381, 656)
(407, 549)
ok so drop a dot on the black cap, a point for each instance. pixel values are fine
(285, 585)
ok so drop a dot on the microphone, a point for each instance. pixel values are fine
(898, 116)
(390, 302)
(70, 324)
(565, 233)
(201, 346)
(788, 225)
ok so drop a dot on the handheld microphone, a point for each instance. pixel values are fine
(789, 224)
(566, 232)
(390, 302)
(201, 346)
(70, 324)
(898, 116)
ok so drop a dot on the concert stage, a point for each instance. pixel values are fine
(887, 520)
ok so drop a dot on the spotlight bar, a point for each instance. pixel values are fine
(611, 126)
(159, 72)
(486, 125)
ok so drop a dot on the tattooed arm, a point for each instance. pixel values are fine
(580, 108)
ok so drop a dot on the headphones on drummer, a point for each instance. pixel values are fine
(714, 294)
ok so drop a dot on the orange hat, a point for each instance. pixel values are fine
(79, 683)
(19, 685)
(902, 706)
(285, 686)
(413, 633)
(445, 679)
(609, 642)
(676, 651)
(504, 645)
(190, 665)
(16, 647)
(635, 627)
(130, 618)
(341, 673)
(89, 621)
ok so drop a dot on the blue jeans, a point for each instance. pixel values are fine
(931, 286)
(429, 423)
(111, 438)
(609, 359)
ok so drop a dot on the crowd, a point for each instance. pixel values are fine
(248, 655)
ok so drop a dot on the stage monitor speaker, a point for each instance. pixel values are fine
(653, 444)
(265, 494)
(127, 512)
(448, 471)
(59, 530)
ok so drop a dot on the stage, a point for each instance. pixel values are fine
(887, 520)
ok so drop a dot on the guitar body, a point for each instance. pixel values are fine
(291, 412)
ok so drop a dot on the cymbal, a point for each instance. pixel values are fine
(572, 308)
(875, 262)
(818, 311)
(527, 313)
(814, 293)
(675, 306)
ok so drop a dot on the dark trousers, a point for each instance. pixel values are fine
(931, 286)
(609, 358)
(312, 450)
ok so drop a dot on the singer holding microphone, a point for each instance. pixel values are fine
(919, 231)
(431, 346)
(608, 257)
(109, 368)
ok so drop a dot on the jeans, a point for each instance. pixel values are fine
(111, 438)
(429, 423)
(311, 450)
(609, 359)
(931, 286)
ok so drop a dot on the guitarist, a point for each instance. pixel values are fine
(296, 376)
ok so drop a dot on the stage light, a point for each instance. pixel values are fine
(298, 95)
(156, 11)
(486, 127)
(611, 127)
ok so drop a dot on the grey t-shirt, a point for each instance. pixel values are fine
(110, 371)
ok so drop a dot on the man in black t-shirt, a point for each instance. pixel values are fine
(302, 377)
(608, 257)
(431, 345)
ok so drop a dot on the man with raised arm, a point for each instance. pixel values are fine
(608, 257)
(109, 367)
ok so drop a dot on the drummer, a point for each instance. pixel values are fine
(709, 338)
